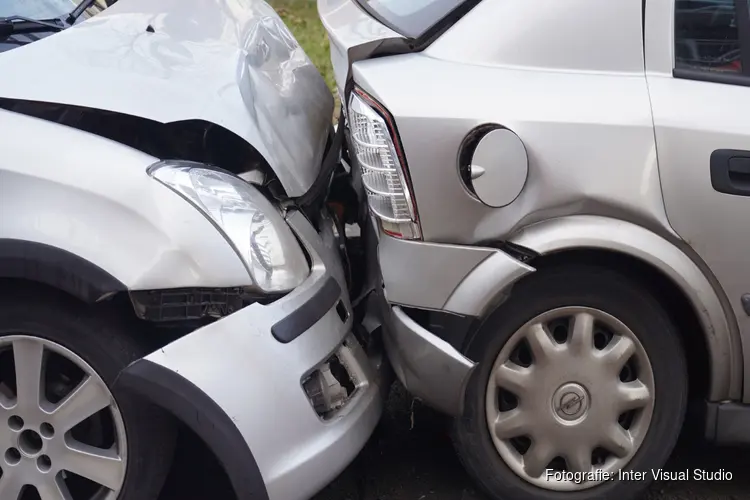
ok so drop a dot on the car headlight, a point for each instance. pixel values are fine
(249, 222)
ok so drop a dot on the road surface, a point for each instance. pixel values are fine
(410, 457)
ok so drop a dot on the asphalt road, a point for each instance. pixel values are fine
(410, 457)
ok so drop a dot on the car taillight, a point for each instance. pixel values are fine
(380, 157)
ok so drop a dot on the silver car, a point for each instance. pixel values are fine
(167, 254)
(559, 193)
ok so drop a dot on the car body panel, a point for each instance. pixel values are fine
(711, 307)
(93, 198)
(546, 35)
(507, 78)
(567, 174)
(258, 382)
(428, 366)
(472, 277)
(487, 285)
(349, 28)
(658, 37)
(715, 224)
(228, 62)
(174, 393)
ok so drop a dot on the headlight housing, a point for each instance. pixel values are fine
(248, 221)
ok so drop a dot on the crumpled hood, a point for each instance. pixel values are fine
(229, 62)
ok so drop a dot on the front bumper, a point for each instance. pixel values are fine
(238, 383)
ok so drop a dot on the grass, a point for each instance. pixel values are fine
(301, 16)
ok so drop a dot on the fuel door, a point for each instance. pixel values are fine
(493, 165)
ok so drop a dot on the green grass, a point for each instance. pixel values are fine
(301, 16)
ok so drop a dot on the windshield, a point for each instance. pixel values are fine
(412, 18)
(41, 9)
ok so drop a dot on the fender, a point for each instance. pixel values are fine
(718, 321)
(57, 268)
(193, 407)
(92, 198)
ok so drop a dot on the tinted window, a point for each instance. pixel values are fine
(706, 36)
(411, 18)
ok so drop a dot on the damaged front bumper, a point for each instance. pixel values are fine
(283, 394)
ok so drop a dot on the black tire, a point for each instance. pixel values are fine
(104, 341)
(579, 285)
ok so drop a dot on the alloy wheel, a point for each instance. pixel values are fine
(61, 433)
(572, 391)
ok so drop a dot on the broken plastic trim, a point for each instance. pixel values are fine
(333, 384)
(184, 304)
(518, 252)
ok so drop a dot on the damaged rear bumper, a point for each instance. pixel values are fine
(429, 367)
(428, 314)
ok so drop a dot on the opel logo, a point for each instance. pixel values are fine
(571, 403)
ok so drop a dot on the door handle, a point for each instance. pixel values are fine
(730, 171)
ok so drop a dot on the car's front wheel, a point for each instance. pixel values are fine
(64, 435)
(581, 375)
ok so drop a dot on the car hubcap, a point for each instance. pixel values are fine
(61, 432)
(571, 393)
(570, 402)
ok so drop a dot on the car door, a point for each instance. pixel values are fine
(698, 70)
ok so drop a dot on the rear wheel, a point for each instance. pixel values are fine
(64, 434)
(581, 374)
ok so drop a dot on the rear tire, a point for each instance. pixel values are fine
(73, 336)
(583, 290)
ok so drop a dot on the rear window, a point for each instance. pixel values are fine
(412, 18)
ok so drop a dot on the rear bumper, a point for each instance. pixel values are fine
(469, 280)
(428, 366)
(426, 356)
(242, 384)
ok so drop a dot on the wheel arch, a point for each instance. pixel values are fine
(630, 248)
(203, 416)
(57, 268)
(675, 301)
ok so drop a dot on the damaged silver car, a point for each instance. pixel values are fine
(559, 193)
(167, 254)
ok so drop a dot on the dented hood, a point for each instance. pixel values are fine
(229, 62)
